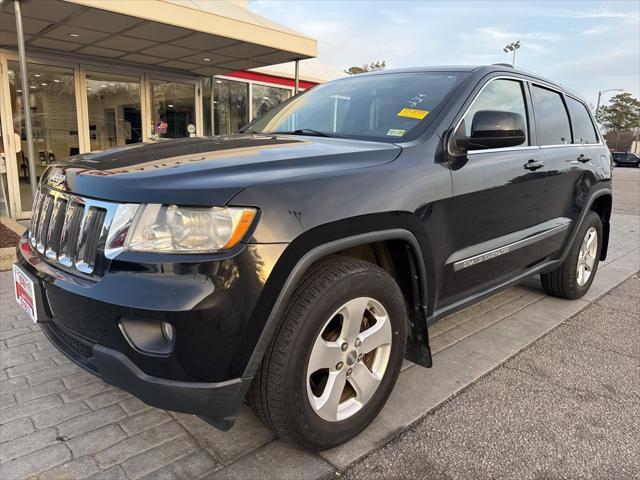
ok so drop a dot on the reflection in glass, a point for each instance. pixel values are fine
(4, 198)
(264, 98)
(552, 120)
(366, 107)
(114, 111)
(583, 129)
(207, 94)
(173, 109)
(502, 95)
(53, 115)
(231, 101)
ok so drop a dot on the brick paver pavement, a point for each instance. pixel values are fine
(58, 421)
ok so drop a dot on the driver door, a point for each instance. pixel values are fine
(498, 204)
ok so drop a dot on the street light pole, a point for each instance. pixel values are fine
(512, 47)
(600, 92)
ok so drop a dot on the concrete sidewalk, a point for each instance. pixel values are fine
(58, 421)
(566, 407)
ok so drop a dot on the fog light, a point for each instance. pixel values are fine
(168, 332)
(147, 336)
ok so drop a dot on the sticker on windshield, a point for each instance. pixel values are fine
(396, 132)
(413, 113)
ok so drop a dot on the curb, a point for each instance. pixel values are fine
(8, 254)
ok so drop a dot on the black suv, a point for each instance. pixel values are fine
(297, 263)
(626, 158)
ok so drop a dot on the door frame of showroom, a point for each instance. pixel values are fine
(80, 69)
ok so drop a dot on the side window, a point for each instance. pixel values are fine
(552, 121)
(499, 95)
(583, 129)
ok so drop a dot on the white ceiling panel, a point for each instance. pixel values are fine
(100, 52)
(30, 25)
(158, 32)
(54, 44)
(215, 58)
(103, 21)
(146, 59)
(126, 44)
(168, 51)
(240, 65)
(67, 33)
(245, 50)
(275, 58)
(49, 10)
(10, 38)
(203, 41)
(179, 65)
(118, 29)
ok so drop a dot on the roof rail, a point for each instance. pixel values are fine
(503, 65)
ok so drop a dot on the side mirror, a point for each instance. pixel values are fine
(497, 129)
(494, 129)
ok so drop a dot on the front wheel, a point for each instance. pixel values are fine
(574, 277)
(336, 357)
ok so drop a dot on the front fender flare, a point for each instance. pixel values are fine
(583, 213)
(313, 255)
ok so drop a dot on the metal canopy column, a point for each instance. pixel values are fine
(25, 97)
(297, 78)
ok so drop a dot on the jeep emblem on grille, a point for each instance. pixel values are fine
(57, 179)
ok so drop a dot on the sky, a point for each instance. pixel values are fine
(585, 45)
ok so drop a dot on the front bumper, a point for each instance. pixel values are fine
(210, 304)
(216, 402)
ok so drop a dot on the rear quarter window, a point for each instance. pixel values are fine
(552, 121)
(584, 131)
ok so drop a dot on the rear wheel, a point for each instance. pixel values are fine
(574, 277)
(336, 358)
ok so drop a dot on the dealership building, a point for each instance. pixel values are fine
(105, 73)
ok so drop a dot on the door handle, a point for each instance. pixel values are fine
(584, 158)
(534, 164)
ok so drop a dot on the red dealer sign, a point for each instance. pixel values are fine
(262, 77)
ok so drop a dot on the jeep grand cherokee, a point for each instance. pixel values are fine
(297, 263)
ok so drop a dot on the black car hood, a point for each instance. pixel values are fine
(210, 170)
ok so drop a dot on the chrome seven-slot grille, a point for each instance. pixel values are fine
(68, 230)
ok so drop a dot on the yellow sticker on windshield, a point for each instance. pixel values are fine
(396, 132)
(413, 113)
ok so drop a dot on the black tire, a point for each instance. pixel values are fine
(278, 393)
(563, 282)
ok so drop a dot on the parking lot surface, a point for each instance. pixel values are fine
(57, 421)
(566, 407)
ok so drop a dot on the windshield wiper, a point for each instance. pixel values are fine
(306, 131)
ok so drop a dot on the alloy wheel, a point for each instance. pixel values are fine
(348, 359)
(587, 256)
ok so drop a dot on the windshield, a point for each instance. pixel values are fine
(385, 107)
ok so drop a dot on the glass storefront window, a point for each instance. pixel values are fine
(231, 106)
(114, 110)
(207, 93)
(173, 109)
(52, 101)
(264, 98)
(4, 199)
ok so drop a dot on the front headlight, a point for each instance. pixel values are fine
(174, 229)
